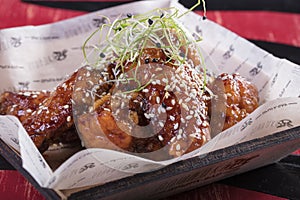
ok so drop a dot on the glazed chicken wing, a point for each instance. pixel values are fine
(21, 104)
(241, 98)
(153, 118)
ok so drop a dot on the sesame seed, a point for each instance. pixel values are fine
(161, 124)
(176, 126)
(157, 99)
(152, 115)
(167, 95)
(69, 118)
(147, 115)
(172, 118)
(185, 106)
(122, 104)
(66, 106)
(150, 21)
(163, 110)
(189, 117)
(182, 120)
(169, 108)
(159, 109)
(146, 90)
(160, 138)
(27, 94)
(107, 109)
(187, 99)
(64, 85)
(205, 123)
(102, 55)
(29, 110)
(167, 87)
(173, 102)
(146, 76)
(199, 122)
(179, 136)
(173, 139)
(178, 147)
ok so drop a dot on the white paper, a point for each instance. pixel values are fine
(50, 52)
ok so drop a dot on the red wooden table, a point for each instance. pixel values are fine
(268, 26)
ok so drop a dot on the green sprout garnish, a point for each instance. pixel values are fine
(122, 42)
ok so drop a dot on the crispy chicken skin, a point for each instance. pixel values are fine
(155, 117)
(53, 116)
(177, 129)
(24, 104)
(241, 98)
(21, 104)
(48, 116)
(166, 132)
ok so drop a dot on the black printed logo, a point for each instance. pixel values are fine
(60, 55)
(97, 22)
(284, 123)
(130, 166)
(42, 161)
(86, 167)
(15, 42)
(228, 53)
(196, 37)
(246, 124)
(23, 85)
(256, 70)
(52, 180)
(15, 140)
(198, 33)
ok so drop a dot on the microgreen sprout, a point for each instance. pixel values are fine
(122, 42)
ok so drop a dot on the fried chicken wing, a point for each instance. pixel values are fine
(171, 117)
(21, 104)
(241, 98)
(53, 116)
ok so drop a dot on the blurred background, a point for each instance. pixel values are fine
(273, 25)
